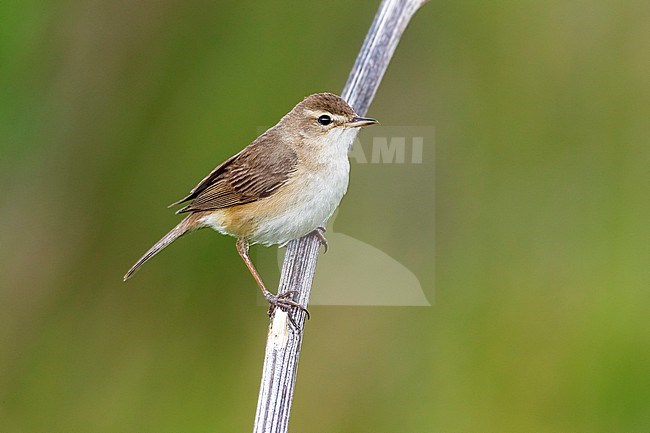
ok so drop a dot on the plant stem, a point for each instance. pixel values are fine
(283, 343)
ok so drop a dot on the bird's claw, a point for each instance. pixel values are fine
(284, 303)
(320, 234)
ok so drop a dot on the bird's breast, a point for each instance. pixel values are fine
(308, 198)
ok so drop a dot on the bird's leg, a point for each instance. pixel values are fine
(281, 300)
(320, 234)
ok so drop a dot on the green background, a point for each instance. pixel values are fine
(110, 110)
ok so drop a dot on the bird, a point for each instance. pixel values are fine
(282, 186)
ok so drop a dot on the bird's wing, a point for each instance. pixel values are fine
(207, 181)
(252, 174)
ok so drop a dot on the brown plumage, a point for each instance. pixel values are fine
(280, 187)
(250, 175)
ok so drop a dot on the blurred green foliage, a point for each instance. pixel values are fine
(109, 110)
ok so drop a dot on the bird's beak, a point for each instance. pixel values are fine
(357, 122)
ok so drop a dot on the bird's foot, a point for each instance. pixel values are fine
(284, 303)
(320, 234)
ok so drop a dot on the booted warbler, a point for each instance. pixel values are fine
(280, 187)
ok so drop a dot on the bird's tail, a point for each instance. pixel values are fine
(188, 224)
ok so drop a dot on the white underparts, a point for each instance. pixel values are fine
(308, 198)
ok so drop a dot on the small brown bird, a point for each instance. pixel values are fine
(280, 187)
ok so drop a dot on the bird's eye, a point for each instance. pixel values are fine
(324, 119)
